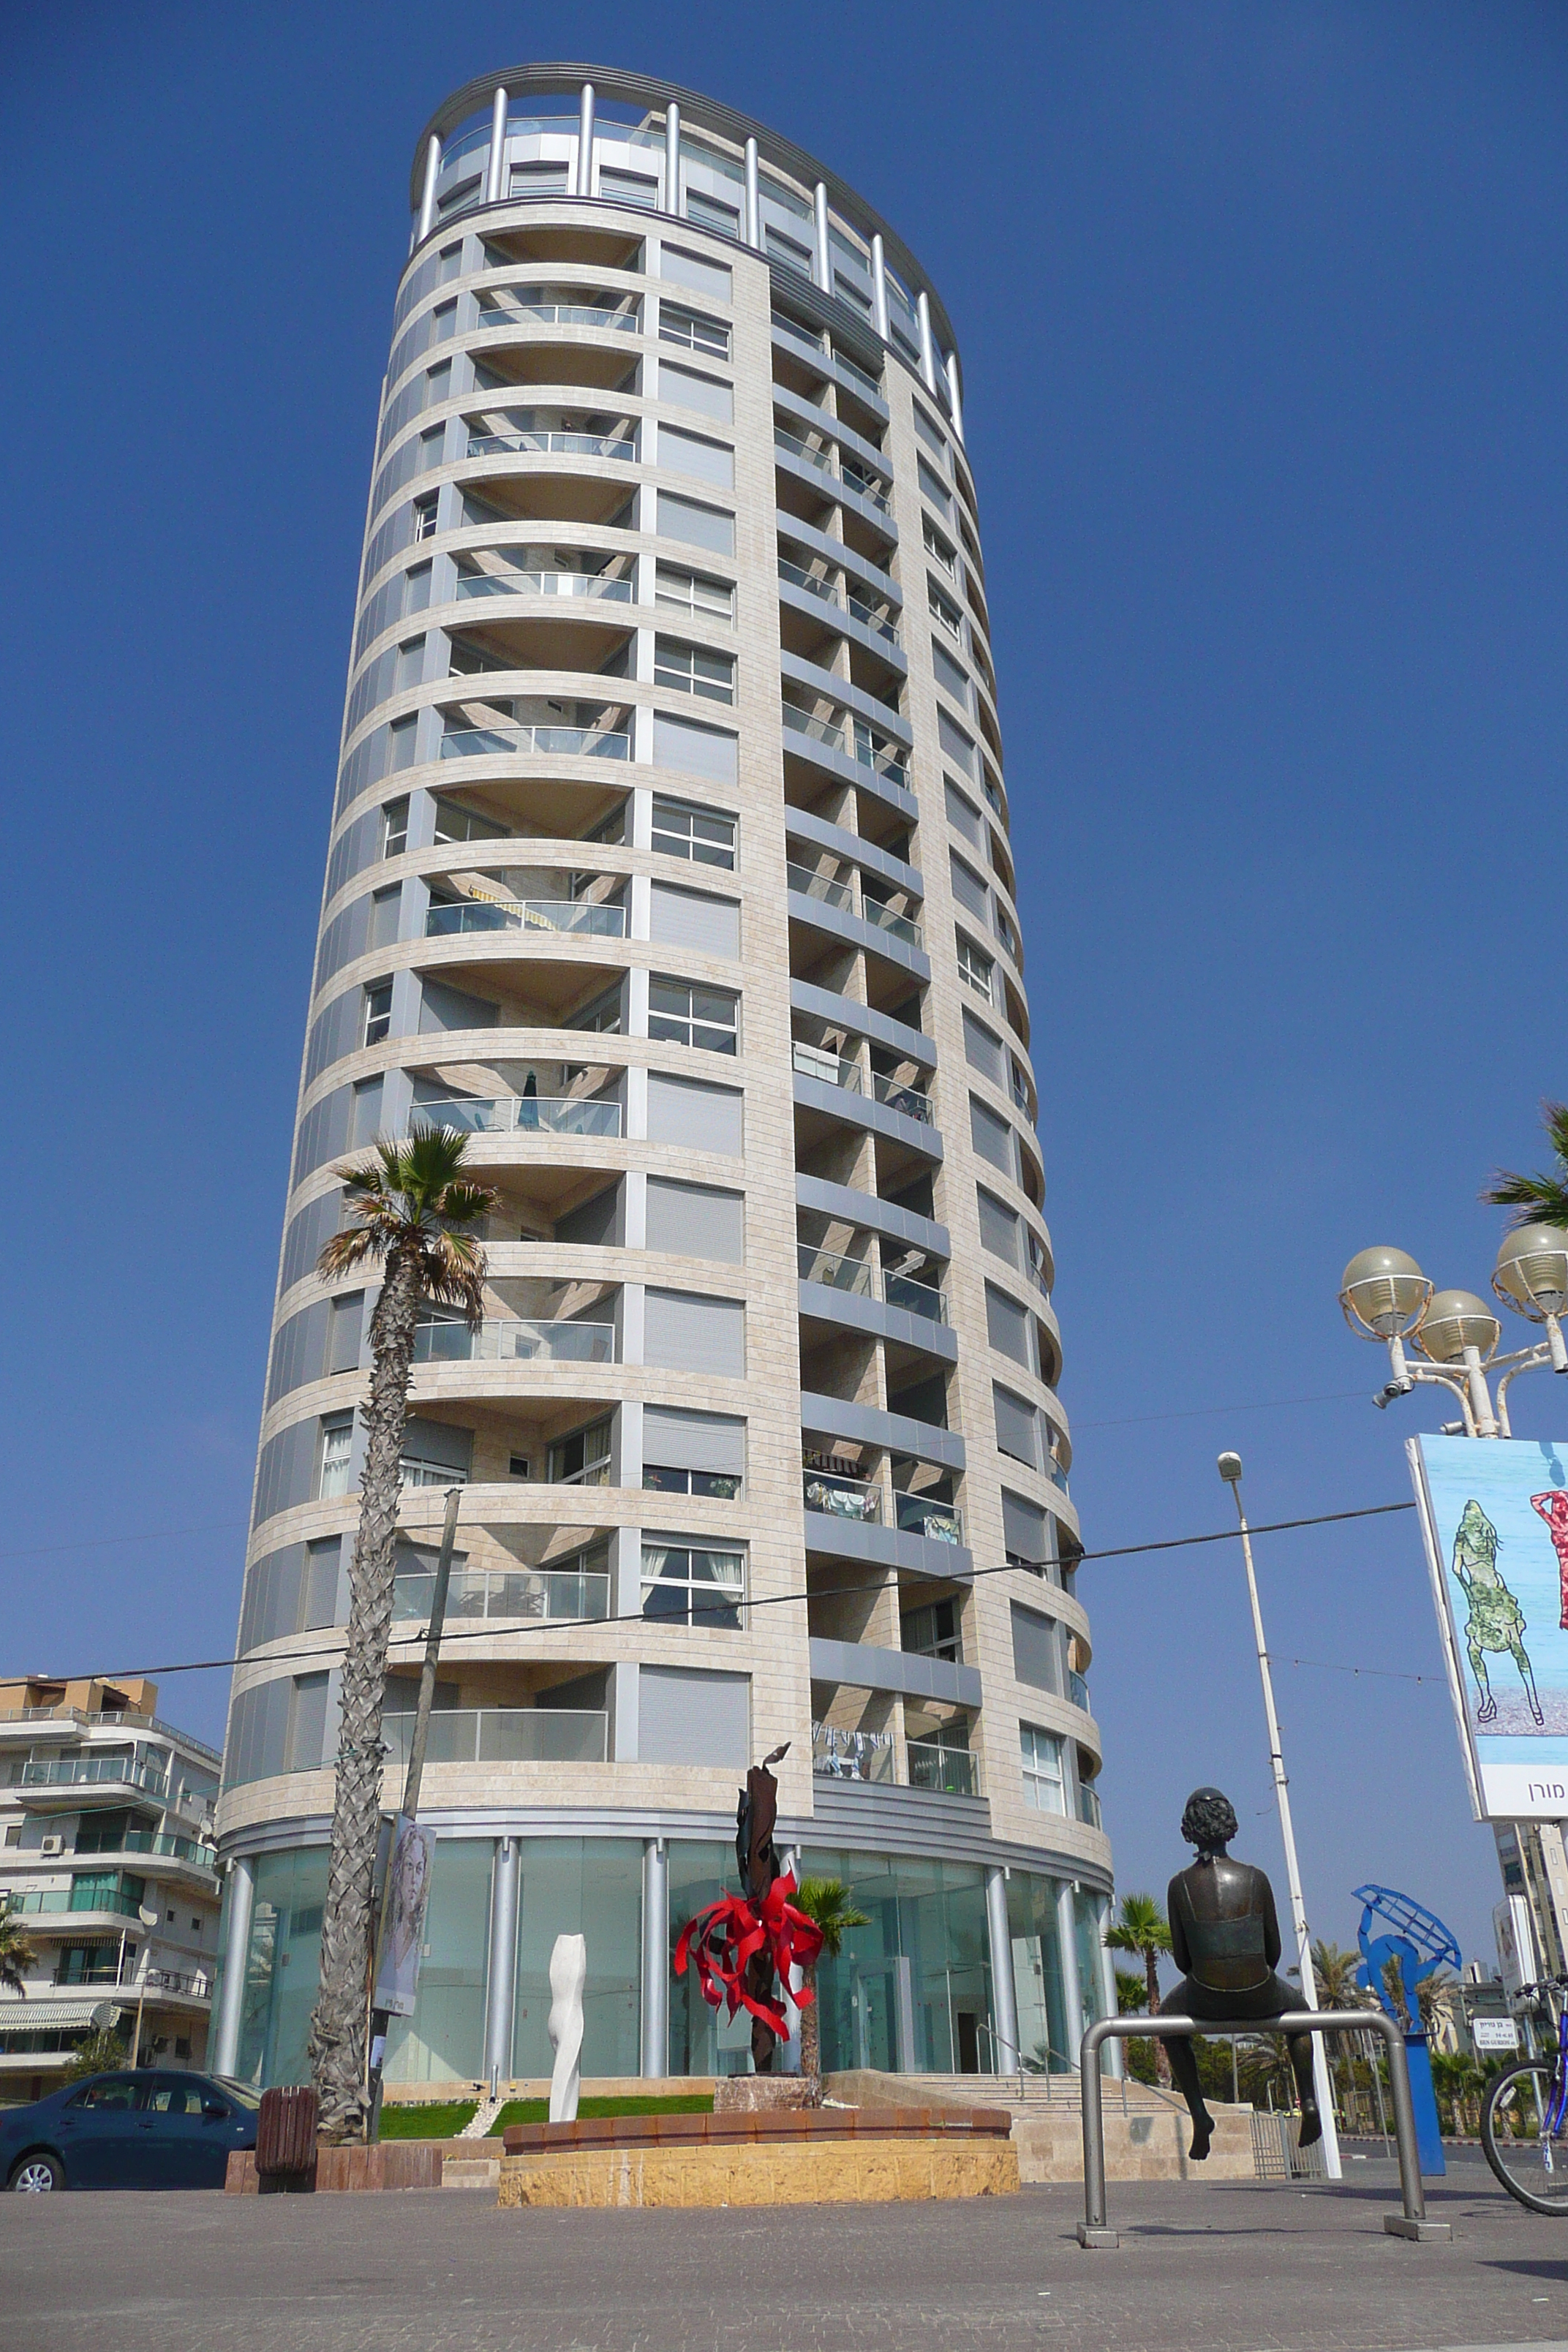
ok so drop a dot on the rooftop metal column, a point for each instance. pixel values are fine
(879, 287)
(672, 158)
(585, 143)
(428, 201)
(753, 222)
(494, 189)
(950, 369)
(928, 348)
(822, 268)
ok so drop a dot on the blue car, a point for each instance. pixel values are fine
(149, 2129)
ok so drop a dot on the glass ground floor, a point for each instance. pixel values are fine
(915, 1989)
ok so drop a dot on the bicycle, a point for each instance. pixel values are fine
(1524, 2119)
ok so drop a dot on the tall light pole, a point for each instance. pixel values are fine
(1230, 1470)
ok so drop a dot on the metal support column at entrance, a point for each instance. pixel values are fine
(1094, 2232)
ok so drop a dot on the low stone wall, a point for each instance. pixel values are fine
(1148, 2144)
(390, 2164)
(850, 2170)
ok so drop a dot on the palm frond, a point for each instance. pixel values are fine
(1540, 1198)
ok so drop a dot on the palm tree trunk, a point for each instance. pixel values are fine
(337, 2042)
(810, 2026)
(1162, 2055)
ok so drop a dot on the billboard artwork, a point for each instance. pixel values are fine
(402, 1919)
(1494, 1512)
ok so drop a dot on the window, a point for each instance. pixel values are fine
(685, 1584)
(1041, 1754)
(456, 823)
(694, 670)
(931, 1631)
(944, 609)
(418, 1469)
(582, 1459)
(683, 387)
(424, 518)
(692, 331)
(377, 1013)
(975, 969)
(950, 675)
(603, 1016)
(931, 435)
(694, 591)
(707, 212)
(518, 1466)
(337, 1445)
(629, 188)
(936, 545)
(706, 837)
(719, 1485)
(539, 179)
(682, 1015)
(395, 828)
(783, 248)
(936, 490)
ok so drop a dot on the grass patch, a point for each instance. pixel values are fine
(537, 2111)
(431, 2122)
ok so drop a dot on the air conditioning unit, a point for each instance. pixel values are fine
(51, 1845)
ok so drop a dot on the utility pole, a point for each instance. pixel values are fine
(1230, 1470)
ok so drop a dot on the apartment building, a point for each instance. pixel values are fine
(105, 1854)
(670, 862)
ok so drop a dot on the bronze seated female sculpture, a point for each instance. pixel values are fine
(1225, 1937)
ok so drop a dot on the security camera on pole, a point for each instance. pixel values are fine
(1230, 1470)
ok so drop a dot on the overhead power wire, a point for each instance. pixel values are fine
(767, 1600)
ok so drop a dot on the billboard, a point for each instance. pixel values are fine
(1494, 1512)
(402, 1919)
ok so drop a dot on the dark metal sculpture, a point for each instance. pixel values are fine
(742, 1943)
(757, 1859)
(1224, 1937)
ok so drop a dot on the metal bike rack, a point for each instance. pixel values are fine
(1094, 2232)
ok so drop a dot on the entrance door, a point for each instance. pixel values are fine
(966, 2029)
(875, 2010)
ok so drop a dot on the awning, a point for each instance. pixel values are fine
(21, 2016)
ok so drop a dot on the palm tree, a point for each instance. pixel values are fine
(15, 1953)
(1433, 1995)
(410, 1213)
(1539, 1200)
(1334, 1970)
(1141, 1928)
(1131, 1993)
(827, 1902)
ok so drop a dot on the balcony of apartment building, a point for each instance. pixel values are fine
(556, 330)
(819, 372)
(827, 470)
(854, 1280)
(557, 1103)
(842, 616)
(493, 809)
(846, 892)
(529, 1320)
(886, 1490)
(494, 726)
(826, 743)
(539, 621)
(863, 1110)
(487, 1712)
(560, 465)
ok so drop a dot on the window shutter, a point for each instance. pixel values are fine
(686, 1717)
(1037, 1650)
(684, 1332)
(696, 1221)
(694, 918)
(1007, 1327)
(710, 278)
(1026, 1528)
(704, 1119)
(694, 525)
(699, 751)
(983, 1050)
(998, 1227)
(992, 1138)
(694, 1441)
(689, 453)
(1016, 1426)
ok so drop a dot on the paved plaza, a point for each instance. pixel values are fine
(1236, 2267)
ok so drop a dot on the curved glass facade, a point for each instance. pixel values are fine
(669, 863)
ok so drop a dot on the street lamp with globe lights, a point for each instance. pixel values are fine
(1386, 1297)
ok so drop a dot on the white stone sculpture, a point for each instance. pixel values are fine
(568, 1975)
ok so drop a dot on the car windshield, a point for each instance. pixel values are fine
(240, 2092)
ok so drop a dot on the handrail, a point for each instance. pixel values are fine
(861, 745)
(1094, 2231)
(514, 1339)
(597, 917)
(612, 588)
(587, 1115)
(798, 577)
(556, 314)
(550, 444)
(572, 742)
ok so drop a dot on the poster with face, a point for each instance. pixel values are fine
(403, 1935)
(1494, 1512)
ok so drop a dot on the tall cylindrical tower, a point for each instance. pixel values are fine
(670, 862)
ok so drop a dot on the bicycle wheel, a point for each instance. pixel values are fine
(1531, 2164)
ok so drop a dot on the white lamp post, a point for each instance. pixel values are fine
(1230, 1470)
(1386, 1296)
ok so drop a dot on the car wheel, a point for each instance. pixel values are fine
(37, 2173)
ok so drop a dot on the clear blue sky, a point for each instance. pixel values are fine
(1263, 312)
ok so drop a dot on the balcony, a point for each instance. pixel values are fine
(571, 1596)
(847, 475)
(595, 585)
(831, 892)
(947, 1772)
(561, 742)
(1089, 1805)
(1077, 1690)
(834, 1070)
(923, 1514)
(838, 1755)
(556, 314)
(551, 445)
(858, 1278)
(502, 1735)
(107, 1902)
(857, 742)
(512, 1339)
(836, 1497)
(584, 1115)
(156, 1842)
(87, 1771)
(568, 917)
(795, 576)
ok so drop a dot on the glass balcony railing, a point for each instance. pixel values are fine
(865, 486)
(808, 452)
(560, 1596)
(82, 1772)
(914, 1297)
(897, 927)
(838, 1755)
(108, 1902)
(842, 1498)
(587, 1115)
(579, 918)
(849, 1274)
(556, 314)
(859, 743)
(950, 1771)
(596, 586)
(1089, 1804)
(551, 445)
(815, 585)
(828, 1069)
(820, 886)
(502, 1735)
(512, 1340)
(160, 1841)
(920, 1514)
(567, 742)
(910, 1102)
(856, 375)
(1077, 1689)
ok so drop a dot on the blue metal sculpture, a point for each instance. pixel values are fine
(1418, 1941)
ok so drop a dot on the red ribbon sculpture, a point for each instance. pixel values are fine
(723, 1941)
